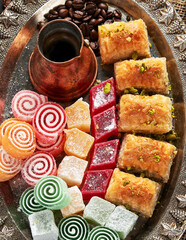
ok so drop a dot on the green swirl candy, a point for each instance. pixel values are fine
(73, 228)
(52, 193)
(103, 233)
(28, 203)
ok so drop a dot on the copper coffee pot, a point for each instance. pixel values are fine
(62, 66)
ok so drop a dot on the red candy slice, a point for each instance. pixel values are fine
(25, 103)
(102, 96)
(9, 166)
(104, 125)
(49, 122)
(39, 165)
(104, 155)
(55, 149)
(96, 183)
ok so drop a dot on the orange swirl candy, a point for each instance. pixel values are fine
(9, 166)
(19, 140)
(4, 126)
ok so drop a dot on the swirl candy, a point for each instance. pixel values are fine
(28, 203)
(25, 103)
(100, 233)
(19, 140)
(49, 121)
(55, 149)
(9, 166)
(4, 126)
(52, 193)
(73, 228)
(39, 165)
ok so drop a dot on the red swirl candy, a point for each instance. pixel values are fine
(25, 103)
(39, 165)
(55, 149)
(49, 122)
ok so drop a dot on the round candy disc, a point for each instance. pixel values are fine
(5, 125)
(55, 149)
(19, 140)
(74, 228)
(100, 233)
(25, 103)
(48, 122)
(52, 193)
(28, 203)
(39, 165)
(9, 166)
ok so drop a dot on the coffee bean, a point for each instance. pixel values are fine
(68, 18)
(85, 29)
(63, 13)
(93, 22)
(128, 18)
(109, 21)
(95, 47)
(71, 12)
(103, 6)
(78, 4)
(93, 35)
(78, 14)
(68, 3)
(103, 13)
(53, 12)
(76, 21)
(100, 20)
(59, 7)
(97, 12)
(109, 14)
(90, 8)
(62, 6)
(87, 18)
(40, 25)
(117, 13)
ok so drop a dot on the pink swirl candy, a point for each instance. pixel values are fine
(49, 122)
(55, 149)
(25, 103)
(39, 165)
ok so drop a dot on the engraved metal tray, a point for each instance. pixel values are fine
(167, 34)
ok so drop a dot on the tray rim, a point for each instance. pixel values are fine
(33, 5)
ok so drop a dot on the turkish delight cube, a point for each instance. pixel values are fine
(72, 170)
(104, 155)
(98, 211)
(104, 125)
(78, 116)
(102, 96)
(78, 143)
(43, 226)
(76, 205)
(122, 221)
(96, 183)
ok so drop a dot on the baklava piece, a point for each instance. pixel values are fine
(121, 40)
(144, 154)
(149, 74)
(145, 114)
(139, 194)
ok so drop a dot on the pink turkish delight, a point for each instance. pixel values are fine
(104, 125)
(102, 96)
(96, 183)
(104, 155)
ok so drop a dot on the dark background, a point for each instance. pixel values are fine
(1, 6)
